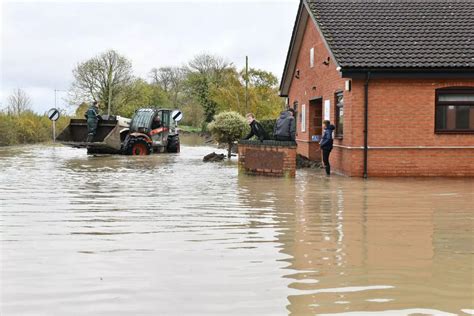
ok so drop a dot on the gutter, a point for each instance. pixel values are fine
(409, 73)
(366, 124)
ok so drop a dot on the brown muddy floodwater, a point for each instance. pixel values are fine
(170, 235)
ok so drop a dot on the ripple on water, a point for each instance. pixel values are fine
(169, 234)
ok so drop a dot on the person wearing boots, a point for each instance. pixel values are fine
(326, 144)
(93, 117)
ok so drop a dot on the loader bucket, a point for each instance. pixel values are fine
(106, 140)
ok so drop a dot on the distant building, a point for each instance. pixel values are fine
(403, 69)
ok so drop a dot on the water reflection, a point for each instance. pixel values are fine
(168, 234)
(374, 246)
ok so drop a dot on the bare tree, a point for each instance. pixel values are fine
(102, 78)
(209, 65)
(170, 79)
(18, 102)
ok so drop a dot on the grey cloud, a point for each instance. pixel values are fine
(42, 42)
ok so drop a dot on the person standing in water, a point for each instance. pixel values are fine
(326, 144)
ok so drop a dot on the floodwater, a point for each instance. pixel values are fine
(171, 235)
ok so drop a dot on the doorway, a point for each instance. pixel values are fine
(316, 114)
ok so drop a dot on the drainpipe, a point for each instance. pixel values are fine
(366, 124)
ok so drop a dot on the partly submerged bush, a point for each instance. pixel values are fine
(228, 127)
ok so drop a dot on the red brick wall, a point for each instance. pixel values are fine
(319, 81)
(401, 114)
(265, 159)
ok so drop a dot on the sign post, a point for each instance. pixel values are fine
(53, 115)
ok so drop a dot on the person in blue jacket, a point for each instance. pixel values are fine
(326, 144)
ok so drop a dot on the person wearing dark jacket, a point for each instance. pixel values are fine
(93, 117)
(285, 127)
(326, 144)
(256, 129)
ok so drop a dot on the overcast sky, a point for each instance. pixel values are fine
(42, 41)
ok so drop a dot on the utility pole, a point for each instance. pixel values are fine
(110, 91)
(246, 83)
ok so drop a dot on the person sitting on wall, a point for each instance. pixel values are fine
(93, 117)
(256, 129)
(326, 144)
(285, 127)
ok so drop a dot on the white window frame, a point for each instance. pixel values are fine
(311, 57)
(303, 118)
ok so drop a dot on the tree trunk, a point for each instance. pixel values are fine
(229, 150)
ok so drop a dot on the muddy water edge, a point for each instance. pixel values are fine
(171, 235)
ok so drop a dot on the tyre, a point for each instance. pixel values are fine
(138, 147)
(173, 144)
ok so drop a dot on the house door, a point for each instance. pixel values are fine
(316, 114)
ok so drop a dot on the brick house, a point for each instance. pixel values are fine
(396, 77)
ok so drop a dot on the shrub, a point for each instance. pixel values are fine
(268, 125)
(27, 128)
(8, 134)
(228, 127)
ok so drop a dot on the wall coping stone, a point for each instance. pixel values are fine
(275, 143)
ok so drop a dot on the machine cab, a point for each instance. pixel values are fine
(156, 124)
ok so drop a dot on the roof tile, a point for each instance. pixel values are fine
(398, 33)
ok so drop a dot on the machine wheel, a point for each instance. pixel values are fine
(138, 147)
(173, 144)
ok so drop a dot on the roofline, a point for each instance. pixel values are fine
(407, 73)
(320, 32)
(397, 1)
(291, 48)
(295, 41)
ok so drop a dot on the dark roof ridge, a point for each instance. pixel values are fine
(389, 1)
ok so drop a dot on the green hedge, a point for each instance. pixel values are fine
(27, 128)
(268, 125)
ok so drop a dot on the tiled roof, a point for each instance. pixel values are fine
(398, 33)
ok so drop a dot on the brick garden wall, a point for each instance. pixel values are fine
(268, 158)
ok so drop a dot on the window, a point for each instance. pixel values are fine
(303, 118)
(339, 114)
(454, 110)
(295, 107)
(311, 57)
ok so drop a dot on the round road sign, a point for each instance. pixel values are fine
(177, 115)
(53, 114)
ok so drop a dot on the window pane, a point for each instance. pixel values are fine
(339, 114)
(303, 118)
(455, 117)
(456, 97)
(462, 117)
(339, 99)
(471, 118)
(340, 123)
(441, 117)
